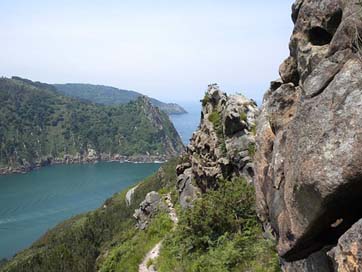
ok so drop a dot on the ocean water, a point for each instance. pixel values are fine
(32, 203)
(186, 124)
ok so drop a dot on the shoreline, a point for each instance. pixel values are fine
(137, 159)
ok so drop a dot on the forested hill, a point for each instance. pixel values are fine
(39, 126)
(111, 96)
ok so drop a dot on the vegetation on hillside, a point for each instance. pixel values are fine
(104, 238)
(111, 96)
(220, 233)
(36, 123)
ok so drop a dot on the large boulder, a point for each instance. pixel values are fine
(308, 162)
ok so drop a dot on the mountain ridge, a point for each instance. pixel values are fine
(108, 95)
(67, 130)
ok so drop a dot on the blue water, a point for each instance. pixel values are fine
(32, 203)
(186, 124)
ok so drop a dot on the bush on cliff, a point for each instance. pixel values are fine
(220, 233)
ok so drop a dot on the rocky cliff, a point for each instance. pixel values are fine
(222, 147)
(309, 135)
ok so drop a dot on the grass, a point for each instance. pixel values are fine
(128, 255)
(215, 119)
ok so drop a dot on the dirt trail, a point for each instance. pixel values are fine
(155, 251)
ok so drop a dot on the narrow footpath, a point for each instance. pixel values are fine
(155, 251)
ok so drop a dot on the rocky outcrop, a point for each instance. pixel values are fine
(309, 135)
(148, 208)
(222, 147)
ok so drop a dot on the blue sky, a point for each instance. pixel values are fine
(170, 50)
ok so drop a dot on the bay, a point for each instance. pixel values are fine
(32, 203)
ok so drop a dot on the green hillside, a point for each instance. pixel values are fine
(111, 96)
(38, 125)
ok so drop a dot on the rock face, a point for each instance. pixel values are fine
(308, 162)
(222, 147)
(347, 255)
(148, 209)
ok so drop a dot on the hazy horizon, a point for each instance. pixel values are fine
(169, 51)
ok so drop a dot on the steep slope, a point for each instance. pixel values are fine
(309, 138)
(38, 127)
(86, 242)
(111, 96)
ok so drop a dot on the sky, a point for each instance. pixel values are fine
(170, 50)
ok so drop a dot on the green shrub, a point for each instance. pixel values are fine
(220, 233)
(215, 119)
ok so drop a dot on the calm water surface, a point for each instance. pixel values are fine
(186, 124)
(32, 203)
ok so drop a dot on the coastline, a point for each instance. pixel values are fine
(68, 159)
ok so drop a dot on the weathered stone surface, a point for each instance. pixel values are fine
(147, 210)
(308, 162)
(288, 71)
(316, 262)
(347, 255)
(222, 145)
(187, 190)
